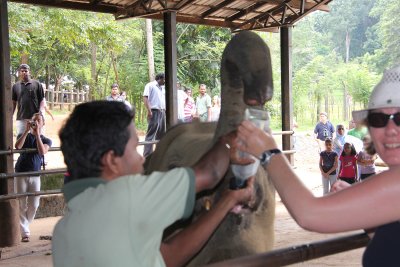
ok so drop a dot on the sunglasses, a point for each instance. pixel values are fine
(379, 120)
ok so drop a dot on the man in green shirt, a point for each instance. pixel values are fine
(203, 104)
(116, 216)
(358, 131)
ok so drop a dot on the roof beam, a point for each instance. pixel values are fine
(246, 11)
(216, 8)
(308, 11)
(263, 15)
(94, 2)
(298, 4)
(182, 4)
(102, 8)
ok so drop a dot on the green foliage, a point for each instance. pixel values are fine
(51, 181)
(61, 43)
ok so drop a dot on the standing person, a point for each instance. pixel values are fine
(27, 97)
(328, 162)
(339, 141)
(44, 108)
(106, 185)
(372, 203)
(114, 96)
(31, 138)
(203, 104)
(366, 159)
(216, 108)
(182, 97)
(348, 164)
(359, 130)
(323, 129)
(123, 97)
(190, 106)
(154, 101)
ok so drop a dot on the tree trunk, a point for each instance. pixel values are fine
(150, 55)
(319, 104)
(114, 62)
(348, 41)
(104, 91)
(345, 103)
(93, 66)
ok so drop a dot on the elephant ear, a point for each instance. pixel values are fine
(182, 146)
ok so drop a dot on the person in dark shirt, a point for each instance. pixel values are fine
(28, 161)
(27, 97)
(328, 162)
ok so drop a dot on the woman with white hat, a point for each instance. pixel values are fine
(372, 203)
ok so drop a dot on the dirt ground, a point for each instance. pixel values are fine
(287, 232)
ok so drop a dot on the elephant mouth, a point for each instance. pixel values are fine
(251, 102)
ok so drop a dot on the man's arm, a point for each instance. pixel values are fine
(14, 106)
(212, 166)
(147, 105)
(178, 249)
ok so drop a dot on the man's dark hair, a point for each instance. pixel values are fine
(114, 85)
(91, 130)
(160, 76)
(24, 66)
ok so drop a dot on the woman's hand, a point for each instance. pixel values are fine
(253, 140)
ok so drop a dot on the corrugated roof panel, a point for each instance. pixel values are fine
(239, 11)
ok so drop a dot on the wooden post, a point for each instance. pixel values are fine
(61, 99)
(51, 98)
(9, 209)
(170, 68)
(286, 90)
(71, 99)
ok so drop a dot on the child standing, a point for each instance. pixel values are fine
(328, 161)
(348, 164)
(31, 138)
(366, 158)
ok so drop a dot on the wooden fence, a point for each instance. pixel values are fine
(69, 98)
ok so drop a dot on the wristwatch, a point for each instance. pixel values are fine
(267, 155)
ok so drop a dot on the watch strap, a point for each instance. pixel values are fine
(266, 155)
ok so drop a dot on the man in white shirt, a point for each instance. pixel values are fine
(154, 101)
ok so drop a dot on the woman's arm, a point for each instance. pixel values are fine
(21, 140)
(360, 206)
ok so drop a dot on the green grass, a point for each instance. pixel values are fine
(52, 181)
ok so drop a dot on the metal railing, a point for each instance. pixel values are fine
(279, 257)
(296, 254)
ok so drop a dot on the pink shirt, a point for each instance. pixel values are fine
(348, 166)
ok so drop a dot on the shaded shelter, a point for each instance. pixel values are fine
(238, 15)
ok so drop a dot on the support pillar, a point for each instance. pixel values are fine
(9, 219)
(170, 68)
(286, 89)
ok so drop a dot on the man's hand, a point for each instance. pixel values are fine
(149, 114)
(244, 199)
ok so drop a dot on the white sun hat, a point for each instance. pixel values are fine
(386, 94)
